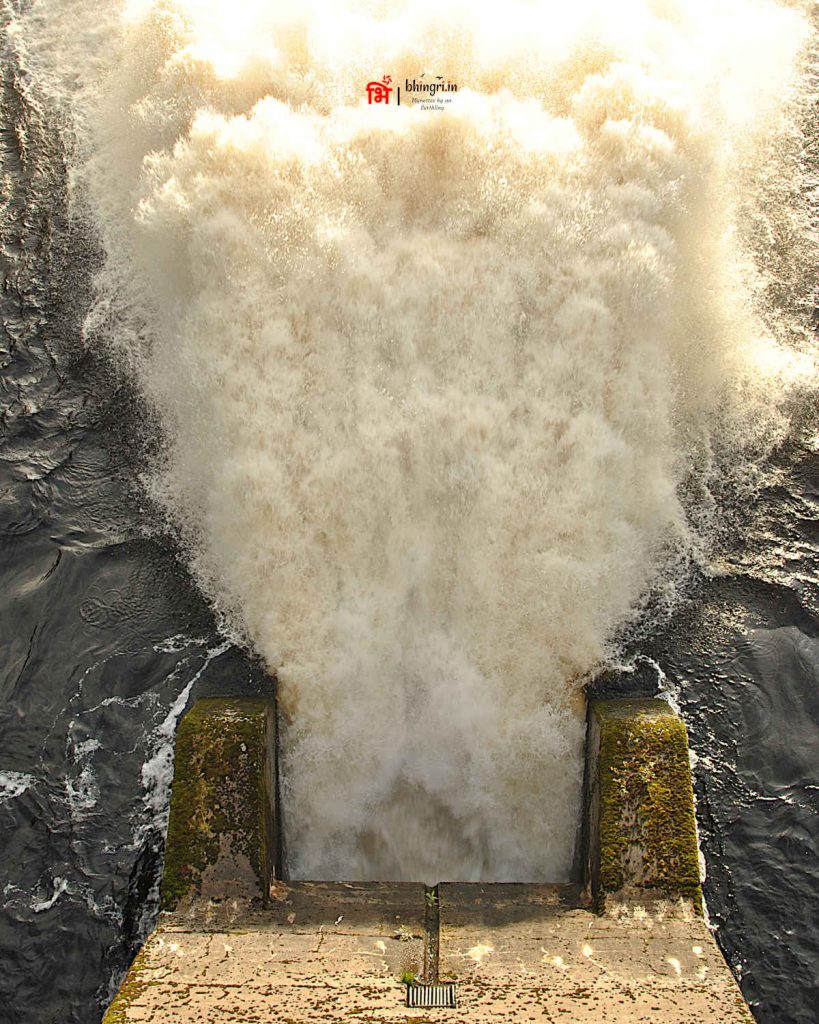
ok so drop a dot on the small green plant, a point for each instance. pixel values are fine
(431, 898)
(408, 978)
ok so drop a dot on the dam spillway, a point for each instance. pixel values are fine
(102, 637)
(626, 942)
(439, 392)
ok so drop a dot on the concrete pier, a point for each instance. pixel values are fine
(626, 943)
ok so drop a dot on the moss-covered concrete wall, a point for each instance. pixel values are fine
(641, 826)
(223, 832)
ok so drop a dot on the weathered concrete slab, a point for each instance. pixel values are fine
(527, 953)
(641, 827)
(296, 907)
(522, 905)
(223, 830)
(330, 952)
(319, 952)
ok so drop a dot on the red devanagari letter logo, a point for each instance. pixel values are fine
(378, 92)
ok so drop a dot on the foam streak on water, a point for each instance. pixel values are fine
(430, 380)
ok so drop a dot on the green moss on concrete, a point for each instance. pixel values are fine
(220, 797)
(133, 985)
(647, 829)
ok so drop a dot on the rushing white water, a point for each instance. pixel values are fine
(431, 379)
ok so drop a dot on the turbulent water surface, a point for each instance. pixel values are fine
(444, 408)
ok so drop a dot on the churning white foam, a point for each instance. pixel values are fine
(430, 380)
(14, 784)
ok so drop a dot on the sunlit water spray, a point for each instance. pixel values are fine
(431, 380)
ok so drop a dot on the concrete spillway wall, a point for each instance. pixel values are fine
(640, 828)
(236, 942)
(224, 829)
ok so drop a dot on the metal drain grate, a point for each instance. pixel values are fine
(430, 995)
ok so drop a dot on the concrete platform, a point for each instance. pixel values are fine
(332, 952)
(523, 953)
(319, 952)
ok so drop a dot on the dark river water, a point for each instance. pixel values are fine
(105, 640)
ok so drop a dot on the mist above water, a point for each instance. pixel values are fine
(432, 381)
